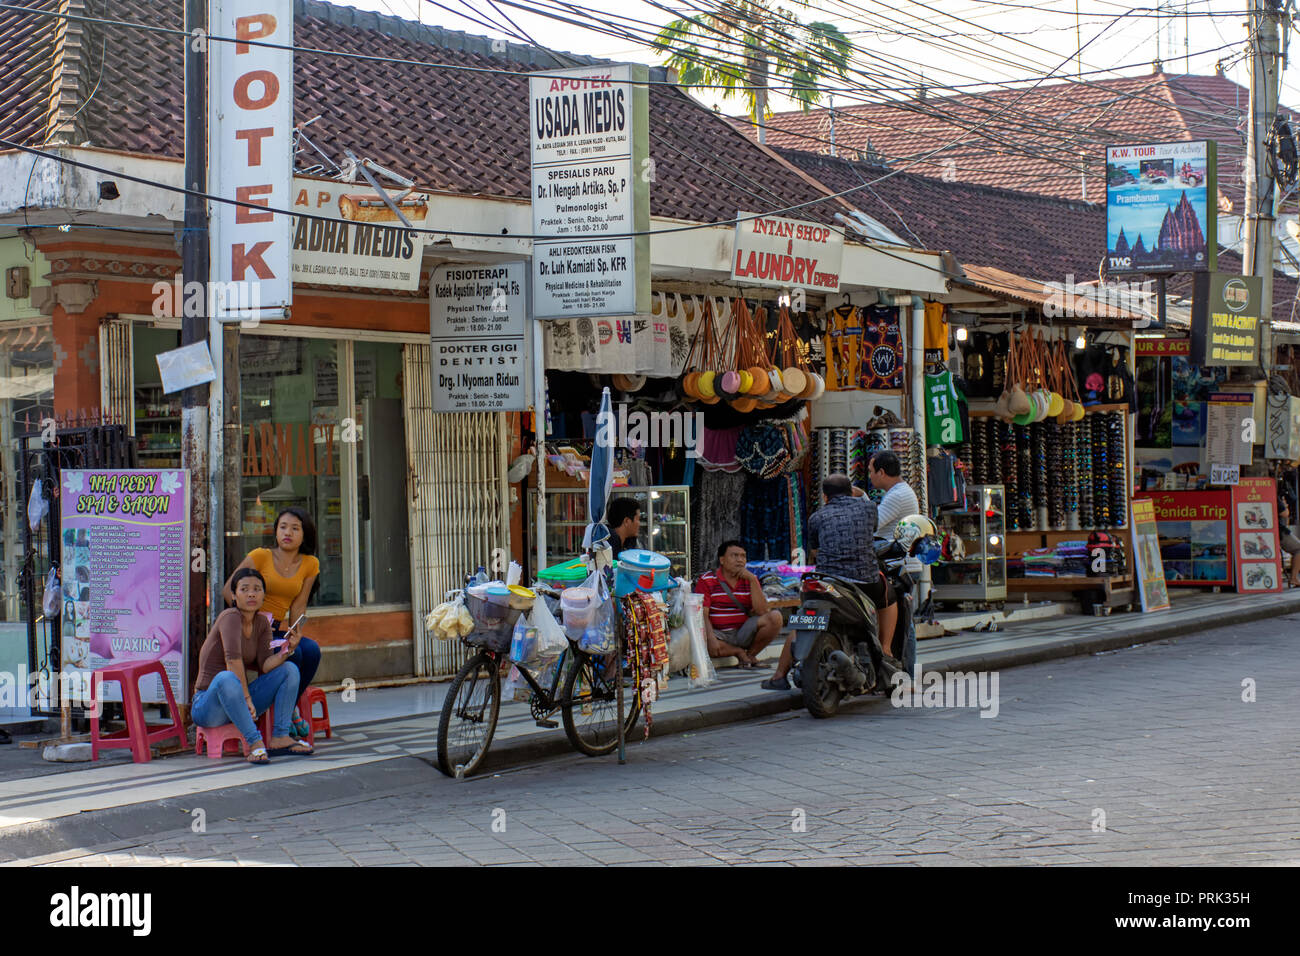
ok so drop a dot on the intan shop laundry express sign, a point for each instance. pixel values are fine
(786, 253)
(125, 557)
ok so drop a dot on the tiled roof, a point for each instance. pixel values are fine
(447, 128)
(1033, 237)
(27, 44)
(1018, 232)
(1049, 139)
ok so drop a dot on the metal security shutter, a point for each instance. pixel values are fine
(456, 499)
(117, 373)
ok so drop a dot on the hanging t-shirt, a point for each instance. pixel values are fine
(843, 343)
(942, 417)
(880, 361)
(936, 333)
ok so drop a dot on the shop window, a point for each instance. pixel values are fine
(157, 415)
(289, 413)
(383, 549)
(302, 447)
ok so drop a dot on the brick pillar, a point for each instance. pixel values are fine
(76, 316)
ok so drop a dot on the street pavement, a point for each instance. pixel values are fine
(1147, 755)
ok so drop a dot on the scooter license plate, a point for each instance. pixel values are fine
(809, 622)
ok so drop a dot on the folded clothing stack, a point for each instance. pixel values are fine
(1074, 558)
(1041, 562)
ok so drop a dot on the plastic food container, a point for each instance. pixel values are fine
(639, 570)
(521, 598)
(577, 599)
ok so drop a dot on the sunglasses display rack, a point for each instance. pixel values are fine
(847, 450)
(1056, 477)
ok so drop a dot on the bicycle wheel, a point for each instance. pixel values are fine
(469, 715)
(590, 705)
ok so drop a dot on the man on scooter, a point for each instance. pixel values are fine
(840, 534)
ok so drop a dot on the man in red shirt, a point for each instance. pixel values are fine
(737, 621)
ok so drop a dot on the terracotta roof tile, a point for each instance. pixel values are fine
(1019, 232)
(447, 128)
(1032, 236)
(26, 71)
(1048, 139)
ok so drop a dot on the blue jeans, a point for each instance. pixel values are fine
(306, 657)
(223, 702)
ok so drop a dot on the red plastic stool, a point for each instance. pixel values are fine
(138, 735)
(306, 700)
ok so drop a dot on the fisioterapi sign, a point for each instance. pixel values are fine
(786, 253)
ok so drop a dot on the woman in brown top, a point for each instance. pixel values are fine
(240, 676)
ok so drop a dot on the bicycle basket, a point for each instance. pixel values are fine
(494, 624)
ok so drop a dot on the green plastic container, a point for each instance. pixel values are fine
(564, 575)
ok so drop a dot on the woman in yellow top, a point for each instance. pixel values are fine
(290, 570)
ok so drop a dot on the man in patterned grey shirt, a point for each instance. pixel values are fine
(840, 534)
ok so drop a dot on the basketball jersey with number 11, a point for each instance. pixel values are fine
(942, 419)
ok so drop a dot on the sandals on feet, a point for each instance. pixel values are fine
(258, 755)
(300, 749)
(775, 683)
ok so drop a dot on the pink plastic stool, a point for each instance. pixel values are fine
(138, 735)
(214, 739)
(306, 701)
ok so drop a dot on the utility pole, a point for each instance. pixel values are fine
(194, 268)
(1261, 196)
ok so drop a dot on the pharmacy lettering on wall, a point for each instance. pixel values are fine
(289, 448)
(786, 253)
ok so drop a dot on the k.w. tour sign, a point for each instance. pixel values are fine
(786, 253)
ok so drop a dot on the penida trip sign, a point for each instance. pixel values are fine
(786, 253)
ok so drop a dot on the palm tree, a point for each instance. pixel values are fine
(744, 43)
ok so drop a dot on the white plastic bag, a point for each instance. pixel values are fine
(551, 641)
(702, 673)
(37, 507)
(52, 599)
(515, 687)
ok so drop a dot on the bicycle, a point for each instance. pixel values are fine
(588, 704)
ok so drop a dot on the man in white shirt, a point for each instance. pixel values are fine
(885, 472)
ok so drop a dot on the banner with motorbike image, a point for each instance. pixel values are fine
(1255, 536)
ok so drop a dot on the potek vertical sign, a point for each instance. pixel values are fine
(591, 191)
(250, 150)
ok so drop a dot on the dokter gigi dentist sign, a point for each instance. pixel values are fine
(786, 253)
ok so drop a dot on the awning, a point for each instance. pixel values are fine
(27, 336)
(1086, 305)
(35, 385)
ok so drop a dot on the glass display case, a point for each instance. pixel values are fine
(665, 522)
(980, 573)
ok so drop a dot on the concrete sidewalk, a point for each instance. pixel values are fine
(42, 812)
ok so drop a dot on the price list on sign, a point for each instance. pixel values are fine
(125, 557)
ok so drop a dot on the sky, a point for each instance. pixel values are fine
(937, 43)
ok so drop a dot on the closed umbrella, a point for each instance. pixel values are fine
(602, 474)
